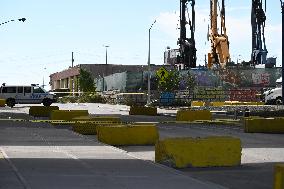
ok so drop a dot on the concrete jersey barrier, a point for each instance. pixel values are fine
(199, 152)
(67, 114)
(42, 111)
(2, 102)
(128, 134)
(141, 110)
(192, 115)
(264, 125)
(98, 119)
(279, 176)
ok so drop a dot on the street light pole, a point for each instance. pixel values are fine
(149, 68)
(106, 46)
(106, 53)
(282, 7)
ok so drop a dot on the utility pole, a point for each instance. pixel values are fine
(149, 68)
(282, 7)
(105, 69)
(72, 59)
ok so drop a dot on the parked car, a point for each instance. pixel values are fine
(20, 94)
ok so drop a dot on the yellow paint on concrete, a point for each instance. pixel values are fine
(67, 114)
(199, 152)
(191, 115)
(138, 134)
(41, 111)
(2, 102)
(197, 103)
(142, 110)
(264, 125)
(279, 176)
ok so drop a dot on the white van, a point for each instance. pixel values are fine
(20, 94)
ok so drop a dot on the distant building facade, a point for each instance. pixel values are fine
(102, 73)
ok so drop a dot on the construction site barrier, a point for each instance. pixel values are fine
(279, 176)
(264, 125)
(41, 111)
(217, 104)
(138, 134)
(85, 128)
(2, 102)
(199, 152)
(142, 110)
(67, 114)
(87, 125)
(237, 103)
(98, 119)
(191, 115)
(197, 103)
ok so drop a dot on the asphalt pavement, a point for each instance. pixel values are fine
(38, 155)
(48, 157)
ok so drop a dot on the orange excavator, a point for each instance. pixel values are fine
(219, 55)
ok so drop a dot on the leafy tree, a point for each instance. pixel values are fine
(171, 82)
(86, 81)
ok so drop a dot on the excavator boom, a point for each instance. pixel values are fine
(219, 55)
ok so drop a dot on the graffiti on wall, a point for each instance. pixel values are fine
(219, 94)
(209, 93)
(262, 79)
(237, 78)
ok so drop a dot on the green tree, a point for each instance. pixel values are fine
(86, 81)
(171, 83)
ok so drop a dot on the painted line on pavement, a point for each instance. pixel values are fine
(16, 171)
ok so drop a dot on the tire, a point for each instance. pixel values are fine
(278, 101)
(47, 102)
(10, 102)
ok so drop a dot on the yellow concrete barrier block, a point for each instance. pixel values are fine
(279, 176)
(199, 152)
(109, 119)
(217, 104)
(197, 103)
(85, 128)
(190, 115)
(140, 134)
(264, 125)
(142, 110)
(230, 103)
(67, 114)
(41, 111)
(2, 102)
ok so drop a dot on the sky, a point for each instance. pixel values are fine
(31, 51)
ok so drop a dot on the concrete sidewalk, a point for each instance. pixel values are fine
(37, 155)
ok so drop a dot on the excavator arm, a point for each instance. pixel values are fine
(219, 54)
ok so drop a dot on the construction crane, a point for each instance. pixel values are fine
(187, 48)
(258, 18)
(219, 55)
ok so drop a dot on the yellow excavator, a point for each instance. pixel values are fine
(219, 55)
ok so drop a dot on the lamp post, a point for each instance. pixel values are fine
(282, 7)
(149, 68)
(106, 46)
(43, 85)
